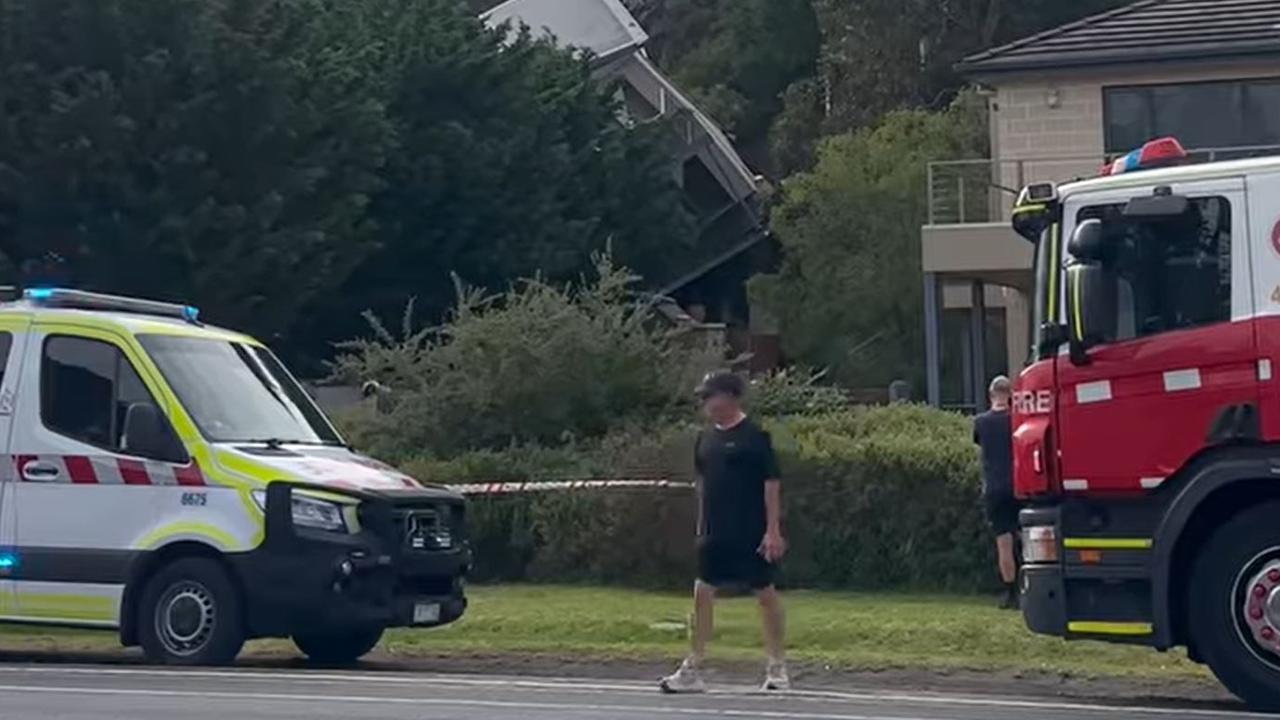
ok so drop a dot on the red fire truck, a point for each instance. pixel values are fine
(1147, 425)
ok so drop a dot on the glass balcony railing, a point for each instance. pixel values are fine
(981, 191)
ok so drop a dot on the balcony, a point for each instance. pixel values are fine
(982, 191)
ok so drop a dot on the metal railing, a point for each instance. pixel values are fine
(983, 190)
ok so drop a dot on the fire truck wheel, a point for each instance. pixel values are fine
(1234, 606)
(191, 614)
(337, 647)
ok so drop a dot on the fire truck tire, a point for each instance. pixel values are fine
(337, 647)
(191, 613)
(1219, 581)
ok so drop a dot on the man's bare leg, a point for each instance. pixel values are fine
(704, 618)
(688, 677)
(1004, 553)
(774, 622)
(1008, 571)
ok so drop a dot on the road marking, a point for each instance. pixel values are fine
(648, 710)
(590, 686)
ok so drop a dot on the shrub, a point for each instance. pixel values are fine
(539, 364)
(795, 392)
(875, 498)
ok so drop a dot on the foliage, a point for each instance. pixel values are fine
(512, 163)
(540, 363)
(794, 391)
(180, 148)
(848, 293)
(875, 498)
(800, 70)
(288, 163)
(736, 57)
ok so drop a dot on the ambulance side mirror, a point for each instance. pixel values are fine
(147, 434)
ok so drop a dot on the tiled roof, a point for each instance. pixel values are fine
(1144, 32)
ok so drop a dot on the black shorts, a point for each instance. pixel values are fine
(1002, 514)
(724, 564)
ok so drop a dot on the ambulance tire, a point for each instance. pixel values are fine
(191, 613)
(337, 646)
(1219, 578)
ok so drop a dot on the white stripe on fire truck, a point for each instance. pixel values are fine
(1150, 483)
(1075, 484)
(1177, 380)
(1092, 392)
(1264, 369)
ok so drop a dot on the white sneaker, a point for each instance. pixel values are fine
(776, 678)
(686, 679)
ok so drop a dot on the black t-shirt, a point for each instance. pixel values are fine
(734, 464)
(993, 432)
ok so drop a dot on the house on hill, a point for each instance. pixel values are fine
(721, 192)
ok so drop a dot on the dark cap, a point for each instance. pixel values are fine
(721, 383)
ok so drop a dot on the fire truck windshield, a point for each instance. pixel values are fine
(1045, 271)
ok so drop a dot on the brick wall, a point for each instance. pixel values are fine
(1053, 124)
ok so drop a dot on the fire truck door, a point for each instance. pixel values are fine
(1183, 359)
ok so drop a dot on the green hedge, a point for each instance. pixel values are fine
(875, 498)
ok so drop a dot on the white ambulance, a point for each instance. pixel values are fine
(174, 482)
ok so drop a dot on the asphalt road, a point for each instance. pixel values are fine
(48, 692)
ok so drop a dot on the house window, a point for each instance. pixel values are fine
(1234, 114)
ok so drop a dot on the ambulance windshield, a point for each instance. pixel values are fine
(237, 392)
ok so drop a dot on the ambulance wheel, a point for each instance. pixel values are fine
(1234, 606)
(337, 646)
(191, 614)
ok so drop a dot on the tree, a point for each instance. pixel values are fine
(286, 164)
(848, 294)
(878, 55)
(223, 152)
(511, 162)
(736, 57)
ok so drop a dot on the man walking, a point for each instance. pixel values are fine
(739, 527)
(993, 432)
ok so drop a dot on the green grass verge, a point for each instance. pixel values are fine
(843, 630)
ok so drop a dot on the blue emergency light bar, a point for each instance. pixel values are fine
(63, 298)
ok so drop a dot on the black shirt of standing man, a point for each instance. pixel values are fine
(993, 432)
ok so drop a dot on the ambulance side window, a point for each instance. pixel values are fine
(86, 389)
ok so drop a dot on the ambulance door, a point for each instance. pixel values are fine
(84, 498)
(13, 337)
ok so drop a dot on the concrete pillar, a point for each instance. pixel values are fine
(978, 343)
(932, 339)
(1017, 328)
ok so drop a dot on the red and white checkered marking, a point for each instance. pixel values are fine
(110, 470)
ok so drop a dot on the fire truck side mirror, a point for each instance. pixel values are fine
(1092, 307)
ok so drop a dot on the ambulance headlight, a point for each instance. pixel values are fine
(310, 512)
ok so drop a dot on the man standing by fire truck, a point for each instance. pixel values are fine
(992, 431)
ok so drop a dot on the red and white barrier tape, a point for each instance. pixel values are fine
(509, 488)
